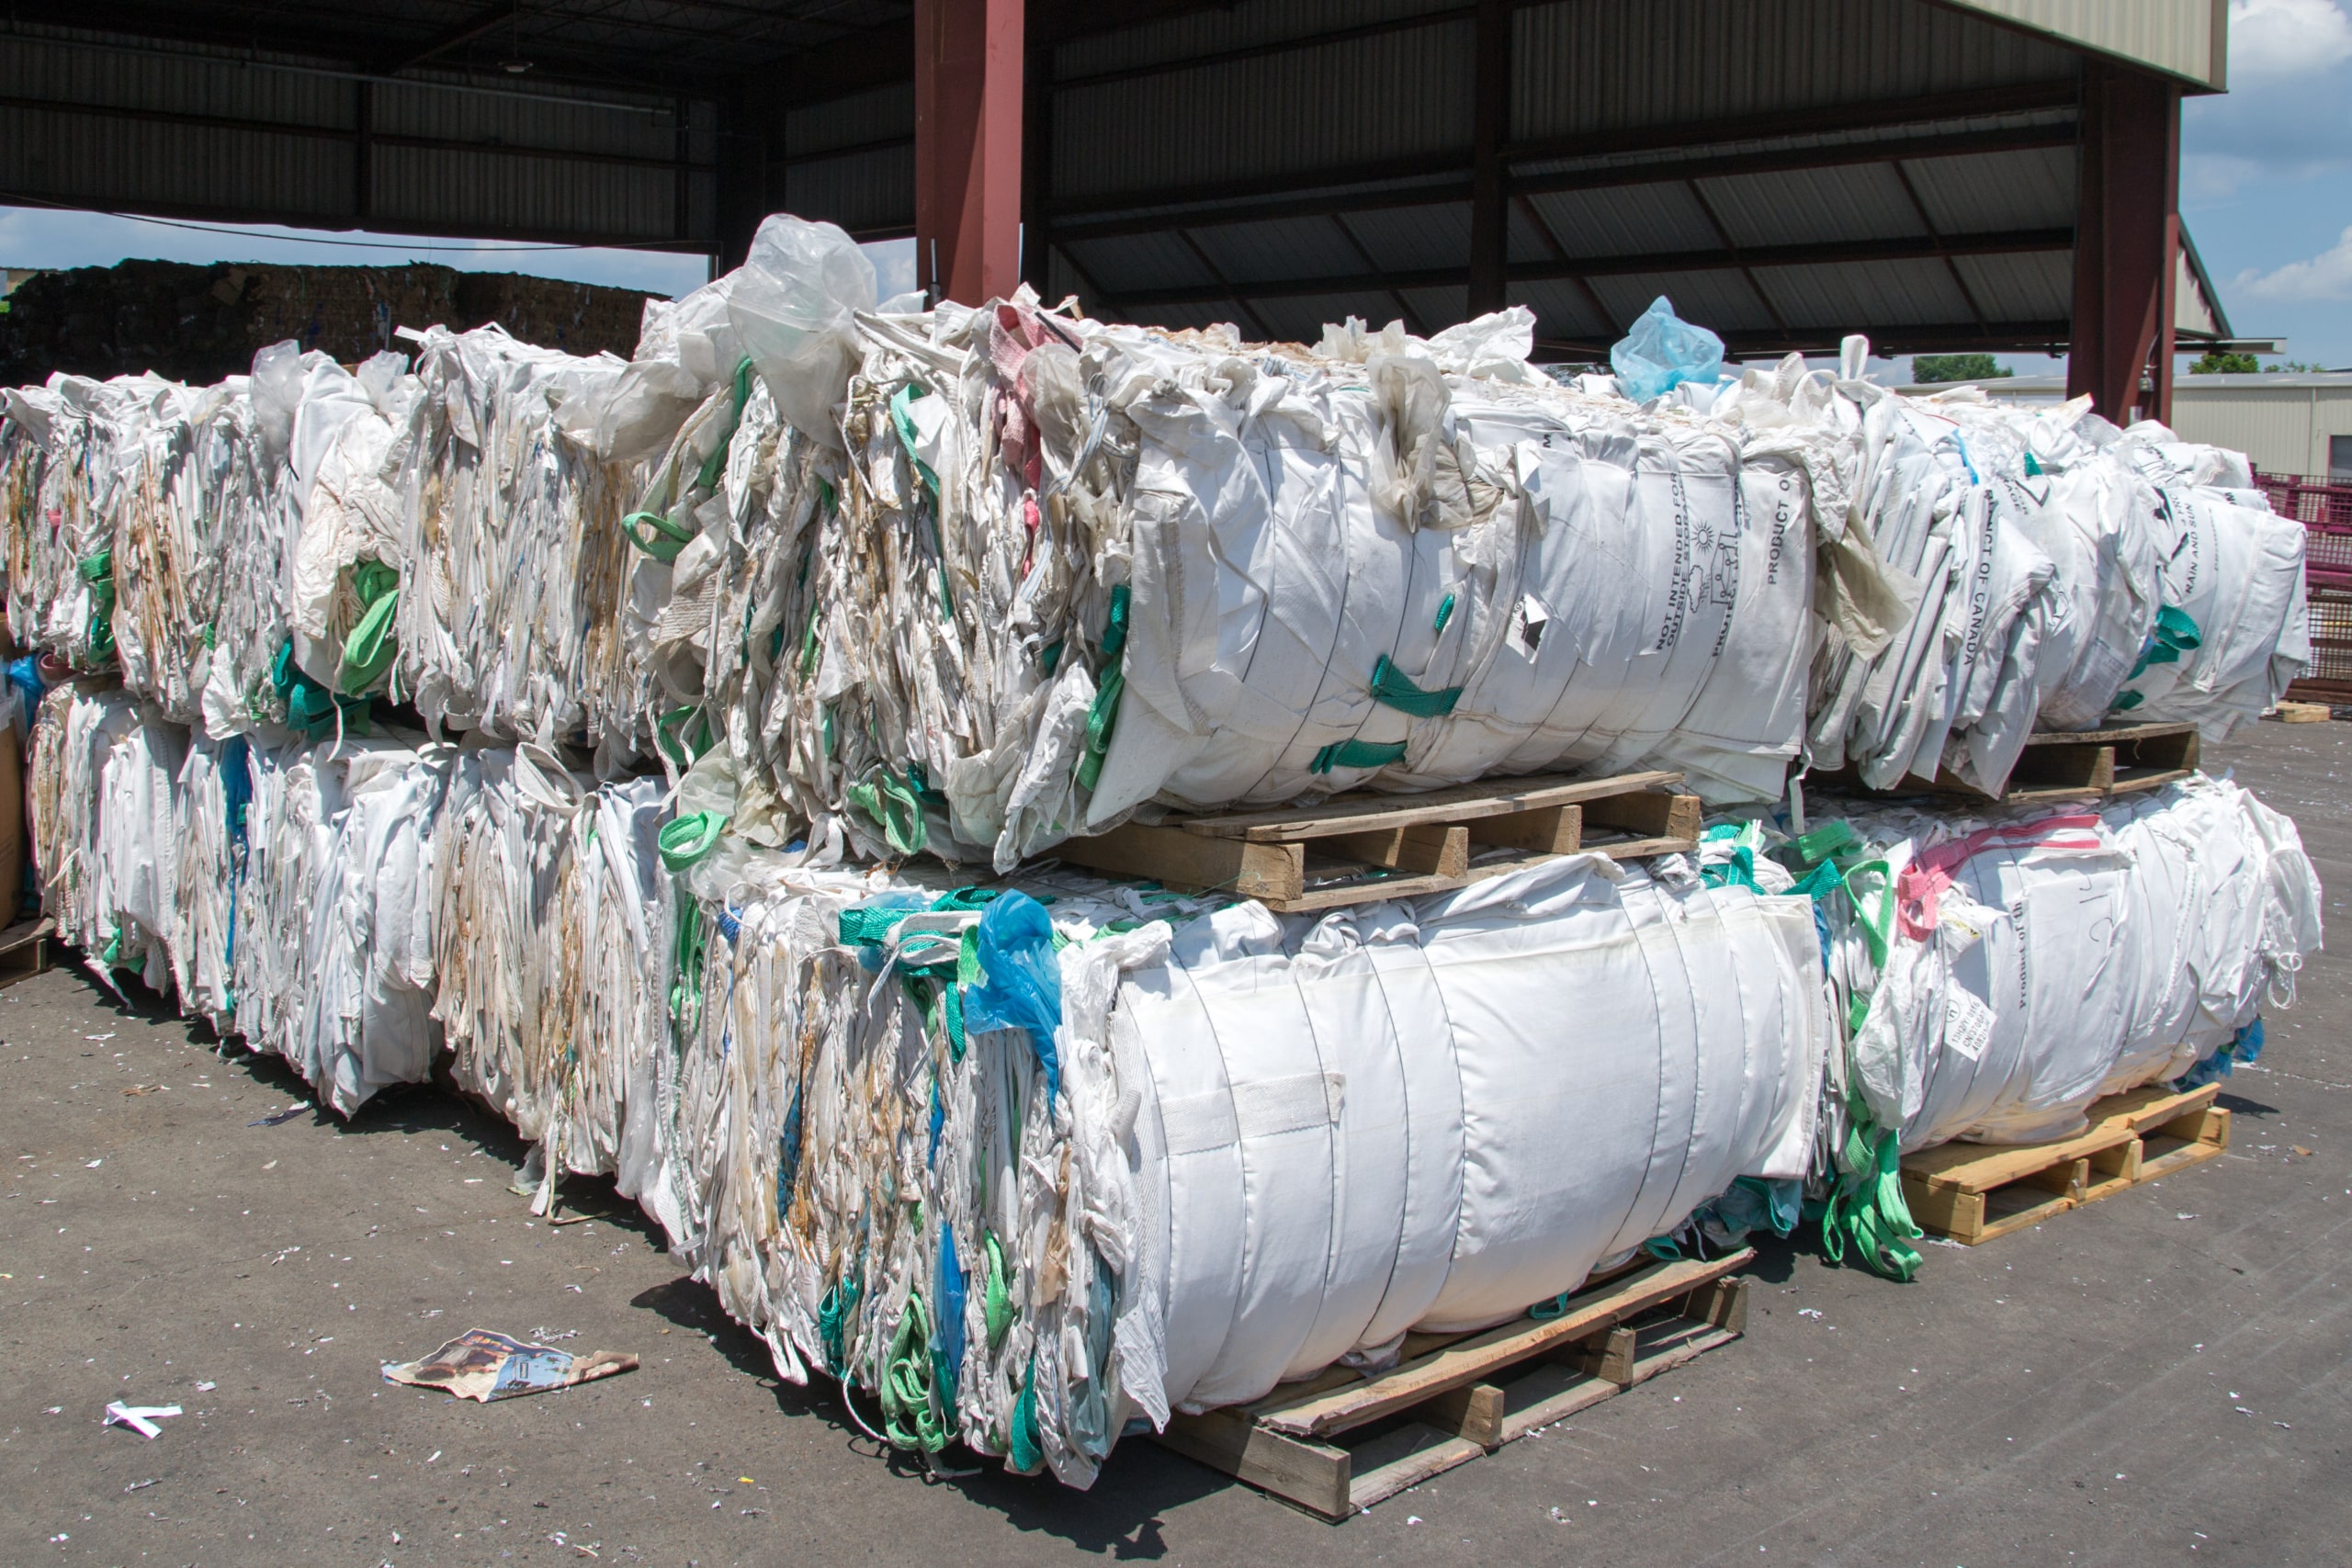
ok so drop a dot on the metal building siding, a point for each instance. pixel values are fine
(1618, 220)
(866, 193)
(647, 129)
(421, 189)
(61, 64)
(1888, 293)
(2035, 287)
(1590, 66)
(1341, 105)
(1795, 207)
(172, 167)
(2282, 423)
(854, 122)
(1989, 192)
(2182, 38)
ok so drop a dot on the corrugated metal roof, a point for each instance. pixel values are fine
(1292, 247)
(2039, 287)
(1302, 320)
(1856, 201)
(1626, 221)
(1407, 239)
(1992, 191)
(1591, 65)
(1136, 263)
(1563, 311)
(1720, 300)
(1838, 298)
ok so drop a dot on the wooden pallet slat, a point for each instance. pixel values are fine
(1974, 1193)
(1354, 848)
(1341, 1441)
(2058, 764)
(27, 948)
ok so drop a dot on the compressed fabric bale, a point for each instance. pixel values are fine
(510, 611)
(1364, 1109)
(102, 779)
(2000, 973)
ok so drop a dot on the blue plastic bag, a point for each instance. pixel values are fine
(1663, 351)
(1021, 980)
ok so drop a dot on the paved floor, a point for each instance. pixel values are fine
(2159, 1378)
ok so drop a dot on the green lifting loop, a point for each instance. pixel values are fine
(1352, 753)
(367, 652)
(687, 841)
(1392, 688)
(656, 534)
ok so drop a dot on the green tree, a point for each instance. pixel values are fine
(1928, 367)
(2216, 362)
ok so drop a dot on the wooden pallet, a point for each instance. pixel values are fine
(1339, 1442)
(27, 949)
(2059, 764)
(1352, 848)
(1974, 1192)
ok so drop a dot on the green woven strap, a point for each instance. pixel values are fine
(833, 1314)
(996, 1295)
(96, 568)
(1354, 753)
(1445, 613)
(1392, 688)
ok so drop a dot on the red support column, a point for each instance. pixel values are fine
(967, 147)
(2127, 241)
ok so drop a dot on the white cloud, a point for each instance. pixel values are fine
(2327, 275)
(2272, 40)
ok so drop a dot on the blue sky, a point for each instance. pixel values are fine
(2266, 183)
(2266, 188)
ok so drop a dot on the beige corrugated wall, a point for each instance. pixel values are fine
(2187, 39)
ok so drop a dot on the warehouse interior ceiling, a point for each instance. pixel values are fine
(1785, 170)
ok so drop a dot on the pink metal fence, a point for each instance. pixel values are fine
(2324, 509)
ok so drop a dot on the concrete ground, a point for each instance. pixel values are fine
(2159, 1378)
